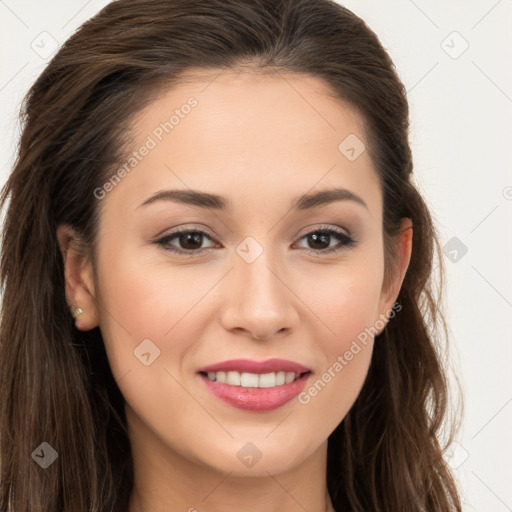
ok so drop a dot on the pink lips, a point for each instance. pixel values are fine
(256, 399)
(259, 367)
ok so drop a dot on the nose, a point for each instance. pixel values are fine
(258, 300)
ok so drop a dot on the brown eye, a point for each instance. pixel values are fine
(320, 240)
(189, 241)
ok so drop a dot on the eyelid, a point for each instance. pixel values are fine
(324, 227)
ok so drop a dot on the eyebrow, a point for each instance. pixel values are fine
(213, 201)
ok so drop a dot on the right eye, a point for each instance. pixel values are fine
(186, 236)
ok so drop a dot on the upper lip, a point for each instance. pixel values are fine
(258, 367)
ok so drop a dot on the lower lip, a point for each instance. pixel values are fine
(256, 399)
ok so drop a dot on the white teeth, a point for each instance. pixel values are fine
(253, 380)
(233, 378)
(249, 380)
(267, 380)
(289, 377)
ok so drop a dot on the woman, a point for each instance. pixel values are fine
(217, 271)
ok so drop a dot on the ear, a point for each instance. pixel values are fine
(78, 278)
(402, 252)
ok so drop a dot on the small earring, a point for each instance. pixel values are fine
(77, 311)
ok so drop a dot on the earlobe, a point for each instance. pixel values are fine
(78, 280)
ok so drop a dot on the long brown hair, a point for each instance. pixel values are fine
(55, 382)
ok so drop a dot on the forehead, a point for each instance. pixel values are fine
(227, 100)
(247, 133)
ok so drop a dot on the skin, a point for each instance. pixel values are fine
(261, 142)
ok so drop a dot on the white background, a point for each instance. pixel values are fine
(461, 136)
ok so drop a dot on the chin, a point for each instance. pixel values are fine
(257, 459)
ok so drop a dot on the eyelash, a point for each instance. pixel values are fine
(347, 242)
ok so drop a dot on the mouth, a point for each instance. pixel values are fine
(253, 380)
(253, 385)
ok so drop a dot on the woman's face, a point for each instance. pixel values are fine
(258, 282)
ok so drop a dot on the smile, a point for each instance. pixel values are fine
(253, 380)
(269, 394)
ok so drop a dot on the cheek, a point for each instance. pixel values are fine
(149, 322)
(331, 393)
(345, 300)
(346, 356)
(142, 301)
(347, 304)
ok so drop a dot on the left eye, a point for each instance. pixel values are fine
(190, 241)
(322, 236)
